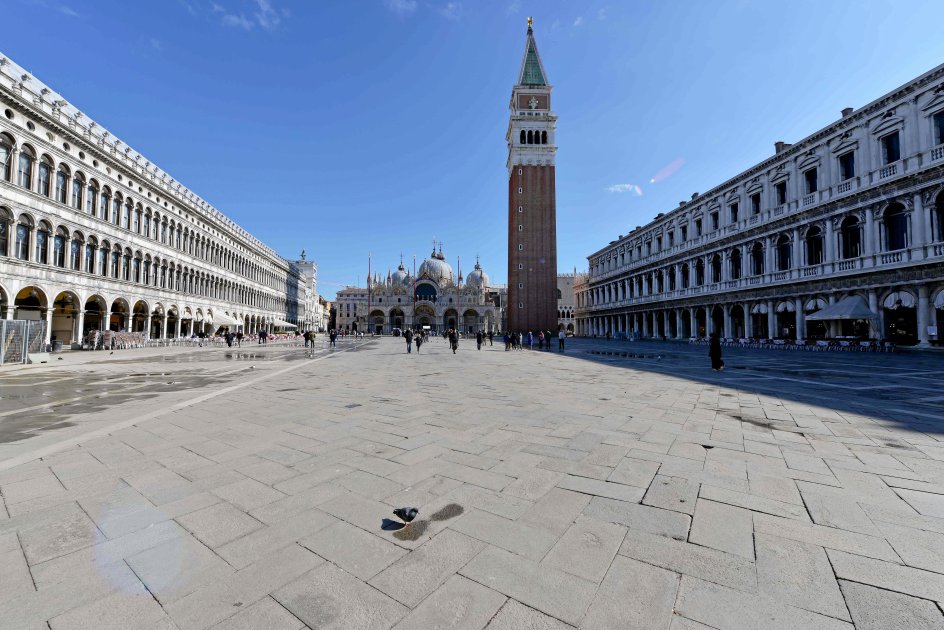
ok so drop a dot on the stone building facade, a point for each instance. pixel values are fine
(433, 297)
(838, 235)
(93, 236)
(532, 210)
(566, 302)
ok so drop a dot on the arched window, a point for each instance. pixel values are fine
(45, 175)
(136, 268)
(104, 203)
(895, 226)
(814, 246)
(136, 227)
(757, 259)
(522, 137)
(147, 224)
(24, 170)
(938, 217)
(530, 137)
(90, 249)
(716, 268)
(91, 197)
(126, 265)
(543, 137)
(115, 261)
(671, 275)
(116, 209)
(126, 217)
(735, 262)
(59, 248)
(699, 272)
(850, 238)
(103, 259)
(75, 253)
(62, 178)
(6, 156)
(685, 278)
(164, 231)
(43, 234)
(78, 187)
(146, 279)
(21, 244)
(783, 249)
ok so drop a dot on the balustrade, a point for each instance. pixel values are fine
(888, 171)
(937, 152)
(892, 257)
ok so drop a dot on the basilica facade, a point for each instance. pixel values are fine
(434, 298)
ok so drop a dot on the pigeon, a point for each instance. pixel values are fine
(60, 358)
(112, 352)
(406, 514)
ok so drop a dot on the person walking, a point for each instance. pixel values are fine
(490, 335)
(530, 340)
(420, 339)
(239, 339)
(333, 337)
(714, 353)
(454, 339)
(561, 336)
(548, 336)
(408, 335)
(479, 339)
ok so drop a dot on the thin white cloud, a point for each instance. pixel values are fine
(266, 16)
(238, 21)
(156, 44)
(578, 21)
(189, 7)
(513, 7)
(451, 11)
(625, 188)
(401, 7)
(601, 14)
(68, 11)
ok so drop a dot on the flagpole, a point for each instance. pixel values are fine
(459, 294)
(368, 289)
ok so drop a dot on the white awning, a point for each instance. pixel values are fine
(899, 299)
(852, 307)
(281, 323)
(816, 304)
(222, 319)
(939, 300)
(786, 307)
(759, 309)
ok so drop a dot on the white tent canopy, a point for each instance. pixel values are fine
(281, 323)
(851, 307)
(899, 299)
(222, 319)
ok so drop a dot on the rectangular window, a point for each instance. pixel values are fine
(520, 285)
(520, 247)
(519, 190)
(697, 227)
(520, 304)
(847, 165)
(520, 266)
(520, 227)
(714, 221)
(755, 203)
(809, 178)
(733, 209)
(781, 193)
(939, 128)
(684, 233)
(648, 248)
(520, 209)
(891, 148)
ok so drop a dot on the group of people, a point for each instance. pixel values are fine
(517, 340)
(230, 337)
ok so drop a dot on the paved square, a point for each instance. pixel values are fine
(617, 485)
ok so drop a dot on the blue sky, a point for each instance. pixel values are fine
(377, 125)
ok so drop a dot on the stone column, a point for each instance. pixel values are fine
(692, 324)
(147, 326)
(829, 243)
(769, 264)
(748, 320)
(771, 320)
(869, 244)
(833, 325)
(48, 338)
(726, 311)
(178, 323)
(80, 327)
(878, 324)
(800, 319)
(920, 222)
(665, 324)
(797, 250)
(679, 331)
(923, 316)
(645, 324)
(164, 326)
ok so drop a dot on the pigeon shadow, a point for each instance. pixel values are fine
(389, 525)
(413, 531)
(449, 511)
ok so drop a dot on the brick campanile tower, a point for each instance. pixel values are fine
(532, 211)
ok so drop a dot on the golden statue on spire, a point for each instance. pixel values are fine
(530, 22)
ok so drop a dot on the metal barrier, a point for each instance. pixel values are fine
(19, 338)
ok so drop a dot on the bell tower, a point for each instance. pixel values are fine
(532, 211)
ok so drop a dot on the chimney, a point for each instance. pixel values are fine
(780, 146)
(694, 195)
(681, 203)
(846, 111)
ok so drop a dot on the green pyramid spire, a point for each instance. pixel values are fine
(532, 70)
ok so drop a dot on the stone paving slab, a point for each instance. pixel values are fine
(642, 494)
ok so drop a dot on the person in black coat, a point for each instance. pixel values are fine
(714, 352)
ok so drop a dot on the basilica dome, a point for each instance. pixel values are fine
(436, 268)
(400, 276)
(477, 277)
